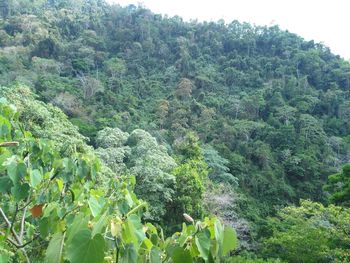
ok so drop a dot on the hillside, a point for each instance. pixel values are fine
(210, 118)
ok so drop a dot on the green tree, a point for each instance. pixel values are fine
(338, 186)
(184, 89)
(190, 176)
(218, 170)
(45, 120)
(309, 233)
(138, 154)
(189, 190)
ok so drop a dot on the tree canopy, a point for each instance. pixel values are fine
(118, 121)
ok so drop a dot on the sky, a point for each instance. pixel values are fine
(325, 21)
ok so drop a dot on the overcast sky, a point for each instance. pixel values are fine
(326, 21)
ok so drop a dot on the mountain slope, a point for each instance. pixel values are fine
(274, 106)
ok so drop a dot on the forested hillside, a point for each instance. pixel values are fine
(236, 122)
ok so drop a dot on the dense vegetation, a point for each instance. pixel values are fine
(229, 120)
(56, 208)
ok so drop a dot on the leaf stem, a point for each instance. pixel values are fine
(117, 247)
(136, 208)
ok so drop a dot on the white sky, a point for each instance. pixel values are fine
(326, 21)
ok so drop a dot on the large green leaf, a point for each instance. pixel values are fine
(83, 169)
(136, 221)
(203, 244)
(35, 178)
(80, 222)
(20, 191)
(95, 206)
(129, 233)
(5, 128)
(5, 258)
(5, 184)
(16, 171)
(130, 254)
(230, 240)
(21, 170)
(55, 249)
(154, 256)
(12, 171)
(219, 235)
(181, 255)
(100, 224)
(44, 227)
(5, 154)
(84, 248)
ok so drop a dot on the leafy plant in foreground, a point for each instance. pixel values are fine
(56, 209)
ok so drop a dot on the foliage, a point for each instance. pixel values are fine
(57, 208)
(339, 187)
(310, 233)
(240, 259)
(140, 155)
(260, 96)
(190, 176)
(189, 189)
(45, 120)
(270, 110)
(219, 172)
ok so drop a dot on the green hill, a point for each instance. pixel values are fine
(209, 117)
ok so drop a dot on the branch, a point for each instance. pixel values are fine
(144, 204)
(109, 238)
(9, 144)
(14, 217)
(22, 223)
(25, 205)
(11, 241)
(27, 243)
(24, 217)
(19, 243)
(10, 226)
(5, 217)
(67, 213)
(25, 254)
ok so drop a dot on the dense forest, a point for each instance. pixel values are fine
(128, 136)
